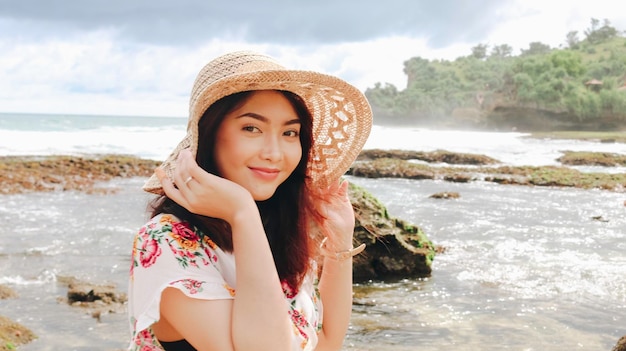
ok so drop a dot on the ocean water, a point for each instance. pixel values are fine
(526, 268)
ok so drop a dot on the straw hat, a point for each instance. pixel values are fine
(342, 117)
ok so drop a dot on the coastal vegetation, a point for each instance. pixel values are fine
(579, 86)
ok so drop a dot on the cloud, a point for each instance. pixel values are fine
(128, 57)
(189, 22)
(141, 57)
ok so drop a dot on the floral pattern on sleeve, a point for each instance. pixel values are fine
(183, 240)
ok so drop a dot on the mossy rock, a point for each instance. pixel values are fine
(13, 334)
(586, 158)
(395, 249)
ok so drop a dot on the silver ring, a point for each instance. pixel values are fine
(188, 179)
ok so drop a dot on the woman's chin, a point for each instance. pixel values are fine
(260, 196)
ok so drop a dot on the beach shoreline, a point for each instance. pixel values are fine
(21, 174)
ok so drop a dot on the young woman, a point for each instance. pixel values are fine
(250, 203)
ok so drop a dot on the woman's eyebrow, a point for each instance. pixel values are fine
(267, 120)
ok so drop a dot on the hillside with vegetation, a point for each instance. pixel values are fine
(579, 86)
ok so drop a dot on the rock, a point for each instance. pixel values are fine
(395, 249)
(437, 156)
(390, 168)
(81, 292)
(62, 173)
(13, 334)
(458, 178)
(446, 195)
(96, 299)
(7, 293)
(599, 219)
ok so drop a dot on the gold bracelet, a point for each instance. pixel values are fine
(340, 255)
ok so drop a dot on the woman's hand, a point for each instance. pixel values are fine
(335, 283)
(201, 192)
(339, 216)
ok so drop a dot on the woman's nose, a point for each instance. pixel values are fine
(271, 149)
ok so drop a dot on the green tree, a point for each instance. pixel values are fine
(596, 34)
(534, 66)
(613, 102)
(570, 61)
(583, 104)
(480, 51)
(572, 40)
(421, 73)
(525, 88)
(536, 48)
(613, 66)
(503, 50)
(382, 96)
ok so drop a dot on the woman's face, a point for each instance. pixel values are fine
(258, 144)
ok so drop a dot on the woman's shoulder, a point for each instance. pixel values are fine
(167, 235)
(161, 220)
(167, 223)
(169, 227)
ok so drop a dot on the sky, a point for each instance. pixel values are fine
(140, 57)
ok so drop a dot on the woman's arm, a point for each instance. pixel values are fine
(336, 293)
(260, 311)
(257, 319)
(336, 280)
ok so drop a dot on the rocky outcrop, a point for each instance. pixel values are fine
(437, 156)
(519, 175)
(394, 248)
(60, 173)
(12, 334)
(7, 293)
(94, 299)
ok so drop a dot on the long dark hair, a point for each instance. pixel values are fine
(285, 215)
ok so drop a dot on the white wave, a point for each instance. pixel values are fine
(45, 277)
(152, 143)
(157, 141)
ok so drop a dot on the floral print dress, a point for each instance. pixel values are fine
(168, 252)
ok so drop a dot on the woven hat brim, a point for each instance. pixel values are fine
(342, 119)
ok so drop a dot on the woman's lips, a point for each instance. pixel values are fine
(265, 173)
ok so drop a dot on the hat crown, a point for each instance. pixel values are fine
(232, 64)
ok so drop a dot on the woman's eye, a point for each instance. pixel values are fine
(252, 129)
(292, 133)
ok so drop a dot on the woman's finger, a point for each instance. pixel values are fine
(190, 172)
(182, 176)
(168, 187)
